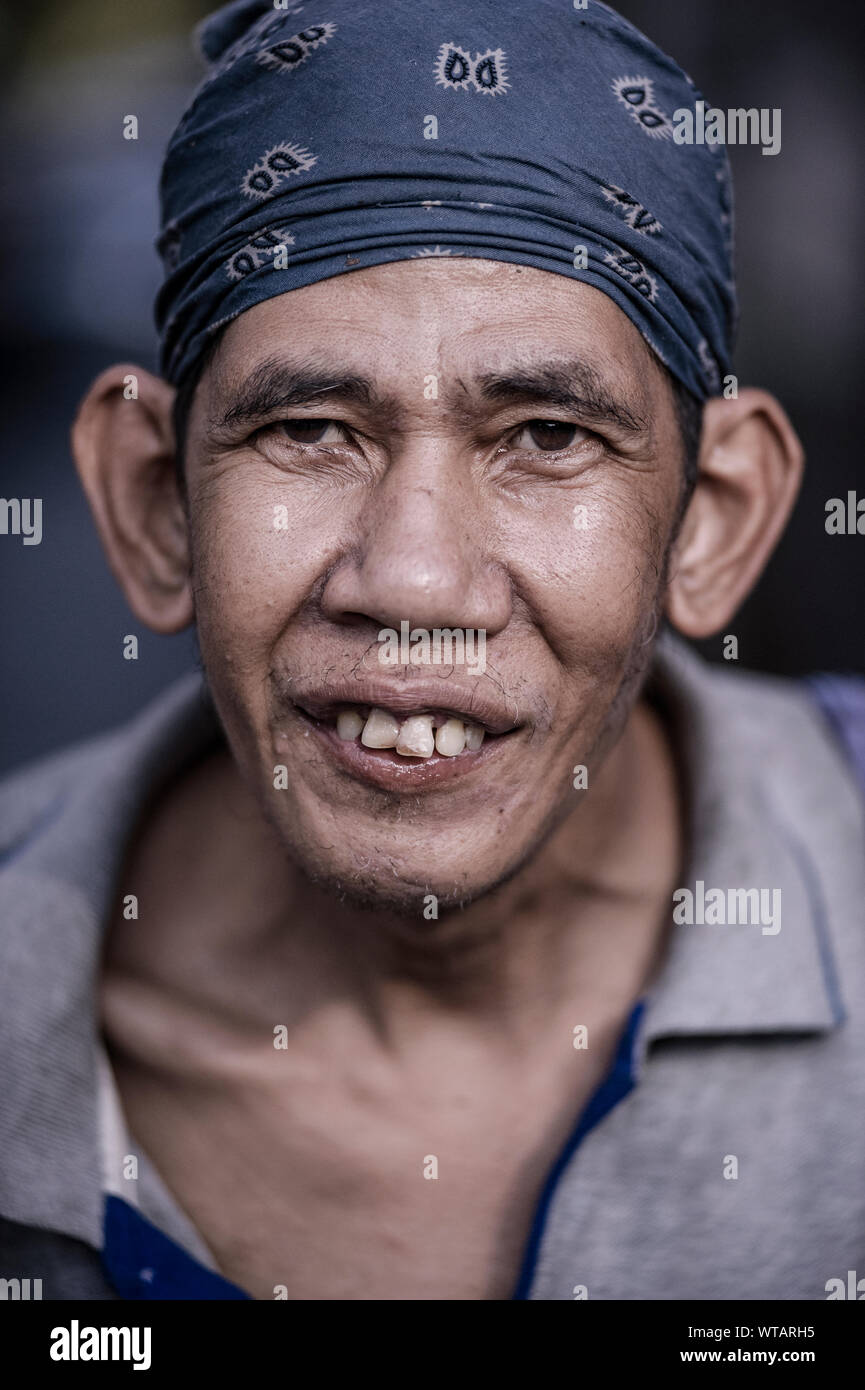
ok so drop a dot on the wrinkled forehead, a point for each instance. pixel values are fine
(457, 313)
(407, 341)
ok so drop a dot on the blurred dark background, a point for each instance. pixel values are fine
(79, 272)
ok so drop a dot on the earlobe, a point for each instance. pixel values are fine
(123, 445)
(751, 464)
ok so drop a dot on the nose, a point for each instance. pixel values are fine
(423, 549)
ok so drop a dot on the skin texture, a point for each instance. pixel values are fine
(424, 522)
(304, 906)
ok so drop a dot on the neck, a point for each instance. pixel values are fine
(582, 922)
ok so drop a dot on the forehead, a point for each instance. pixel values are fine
(456, 317)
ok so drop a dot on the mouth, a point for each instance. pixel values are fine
(401, 748)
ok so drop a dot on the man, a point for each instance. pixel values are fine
(530, 967)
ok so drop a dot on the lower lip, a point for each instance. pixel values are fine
(387, 769)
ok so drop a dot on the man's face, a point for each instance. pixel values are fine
(455, 444)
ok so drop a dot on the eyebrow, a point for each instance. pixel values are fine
(573, 385)
(278, 385)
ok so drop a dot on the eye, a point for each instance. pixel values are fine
(305, 431)
(547, 435)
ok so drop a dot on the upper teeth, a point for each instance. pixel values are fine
(414, 737)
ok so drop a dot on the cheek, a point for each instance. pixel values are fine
(597, 567)
(256, 554)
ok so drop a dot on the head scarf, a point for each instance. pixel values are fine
(334, 135)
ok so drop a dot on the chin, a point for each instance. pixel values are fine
(381, 888)
(386, 884)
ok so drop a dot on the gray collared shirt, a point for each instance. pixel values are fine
(735, 1167)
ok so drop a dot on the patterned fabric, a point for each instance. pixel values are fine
(339, 135)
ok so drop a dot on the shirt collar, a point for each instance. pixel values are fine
(63, 827)
(768, 806)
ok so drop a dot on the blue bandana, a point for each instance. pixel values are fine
(334, 135)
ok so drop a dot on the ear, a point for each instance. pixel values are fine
(124, 449)
(751, 466)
